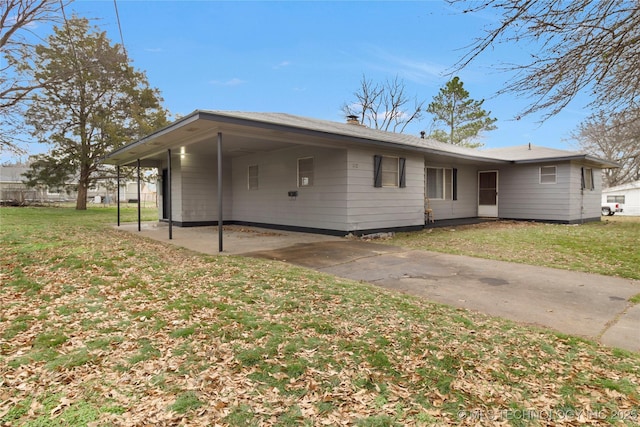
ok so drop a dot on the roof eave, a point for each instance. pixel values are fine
(605, 164)
(160, 132)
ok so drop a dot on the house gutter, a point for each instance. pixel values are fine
(600, 162)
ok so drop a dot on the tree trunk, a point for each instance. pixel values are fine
(83, 186)
(81, 201)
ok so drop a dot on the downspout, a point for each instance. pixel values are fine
(139, 215)
(168, 195)
(220, 206)
(118, 192)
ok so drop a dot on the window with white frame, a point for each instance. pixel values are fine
(439, 183)
(252, 177)
(548, 175)
(587, 179)
(389, 171)
(305, 172)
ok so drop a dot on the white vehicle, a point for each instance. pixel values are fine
(614, 204)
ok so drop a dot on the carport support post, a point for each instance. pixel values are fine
(220, 219)
(118, 192)
(168, 195)
(139, 216)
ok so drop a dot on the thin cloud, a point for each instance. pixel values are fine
(232, 82)
(283, 64)
(423, 72)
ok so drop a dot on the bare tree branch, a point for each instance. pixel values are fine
(615, 138)
(17, 18)
(584, 46)
(384, 106)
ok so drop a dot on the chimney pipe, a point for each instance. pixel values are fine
(353, 119)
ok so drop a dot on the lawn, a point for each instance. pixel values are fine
(101, 327)
(609, 247)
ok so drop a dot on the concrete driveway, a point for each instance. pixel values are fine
(582, 304)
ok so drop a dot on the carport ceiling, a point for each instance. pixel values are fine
(200, 138)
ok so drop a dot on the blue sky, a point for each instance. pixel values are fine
(308, 57)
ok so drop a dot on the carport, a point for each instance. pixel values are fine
(202, 134)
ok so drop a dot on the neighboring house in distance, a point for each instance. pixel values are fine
(284, 171)
(129, 192)
(628, 195)
(13, 190)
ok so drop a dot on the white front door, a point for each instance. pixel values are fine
(488, 194)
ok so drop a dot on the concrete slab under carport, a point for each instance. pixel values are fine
(236, 239)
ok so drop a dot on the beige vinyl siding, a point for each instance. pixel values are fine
(522, 196)
(467, 204)
(585, 204)
(194, 189)
(372, 207)
(321, 205)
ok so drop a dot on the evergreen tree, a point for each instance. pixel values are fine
(461, 118)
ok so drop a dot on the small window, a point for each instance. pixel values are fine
(548, 175)
(615, 199)
(389, 171)
(252, 179)
(587, 179)
(305, 172)
(440, 184)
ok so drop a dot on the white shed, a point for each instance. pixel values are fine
(627, 195)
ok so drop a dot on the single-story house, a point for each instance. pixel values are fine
(284, 171)
(627, 195)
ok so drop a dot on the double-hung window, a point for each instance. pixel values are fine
(587, 179)
(547, 175)
(440, 184)
(389, 171)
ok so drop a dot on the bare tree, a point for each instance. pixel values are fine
(384, 106)
(17, 19)
(615, 138)
(590, 46)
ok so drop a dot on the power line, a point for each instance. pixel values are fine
(115, 5)
(71, 42)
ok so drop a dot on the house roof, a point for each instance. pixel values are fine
(13, 173)
(255, 131)
(623, 187)
(535, 154)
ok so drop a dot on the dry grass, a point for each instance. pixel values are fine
(100, 327)
(608, 247)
